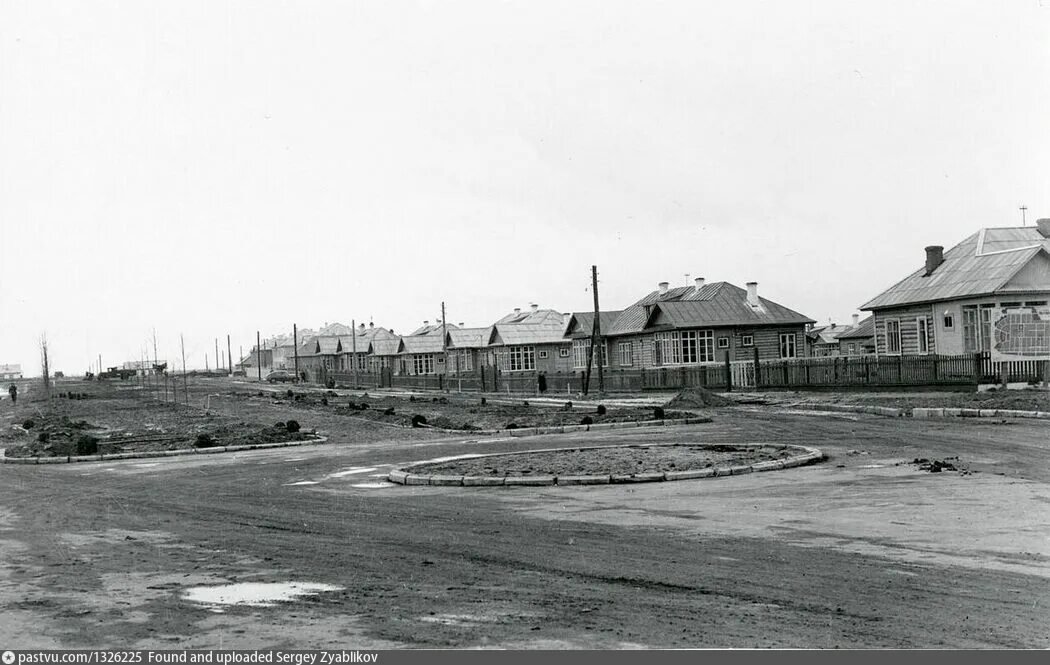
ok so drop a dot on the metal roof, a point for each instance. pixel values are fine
(982, 264)
(421, 344)
(386, 346)
(715, 304)
(544, 326)
(865, 328)
(469, 338)
(581, 323)
(432, 329)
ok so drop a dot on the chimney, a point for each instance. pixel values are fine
(934, 258)
(362, 326)
(663, 287)
(517, 310)
(426, 323)
(460, 324)
(534, 307)
(370, 325)
(699, 282)
(1044, 226)
(752, 294)
(856, 320)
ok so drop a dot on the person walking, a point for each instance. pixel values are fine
(13, 392)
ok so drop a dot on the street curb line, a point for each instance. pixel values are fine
(404, 475)
(931, 412)
(152, 454)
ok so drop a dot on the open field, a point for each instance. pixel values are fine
(864, 550)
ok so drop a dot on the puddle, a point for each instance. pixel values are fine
(254, 594)
(301, 482)
(354, 470)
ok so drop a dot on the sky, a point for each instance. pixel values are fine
(214, 167)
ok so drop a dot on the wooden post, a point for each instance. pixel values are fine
(758, 378)
(900, 368)
(258, 354)
(598, 330)
(353, 353)
(729, 375)
(295, 344)
(229, 356)
(185, 381)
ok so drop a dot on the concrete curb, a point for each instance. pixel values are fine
(152, 454)
(404, 476)
(852, 408)
(920, 412)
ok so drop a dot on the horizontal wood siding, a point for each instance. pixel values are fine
(909, 326)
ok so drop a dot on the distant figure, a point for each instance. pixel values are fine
(13, 392)
(541, 382)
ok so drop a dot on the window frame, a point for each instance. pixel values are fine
(897, 337)
(793, 345)
(721, 340)
(747, 340)
(922, 334)
(626, 352)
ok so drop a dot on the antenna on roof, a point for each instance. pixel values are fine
(1023, 210)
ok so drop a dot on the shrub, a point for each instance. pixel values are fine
(350, 405)
(204, 440)
(658, 412)
(411, 398)
(483, 401)
(330, 383)
(43, 437)
(601, 410)
(587, 420)
(418, 420)
(292, 425)
(568, 406)
(511, 426)
(290, 394)
(389, 411)
(87, 445)
(324, 401)
(280, 425)
(28, 424)
(525, 403)
(363, 406)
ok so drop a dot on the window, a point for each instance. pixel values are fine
(461, 360)
(949, 321)
(723, 342)
(1035, 303)
(851, 348)
(580, 348)
(626, 354)
(521, 359)
(685, 347)
(977, 328)
(423, 363)
(787, 345)
(543, 354)
(747, 340)
(893, 336)
(923, 329)
(563, 352)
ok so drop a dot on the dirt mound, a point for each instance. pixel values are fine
(697, 398)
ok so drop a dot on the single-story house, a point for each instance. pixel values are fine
(579, 329)
(702, 323)
(382, 353)
(419, 355)
(10, 371)
(530, 341)
(354, 351)
(859, 340)
(466, 349)
(989, 293)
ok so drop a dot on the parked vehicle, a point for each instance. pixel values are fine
(280, 376)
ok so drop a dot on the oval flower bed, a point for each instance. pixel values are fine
(606, 464)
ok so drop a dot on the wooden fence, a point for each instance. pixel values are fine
(800, 373)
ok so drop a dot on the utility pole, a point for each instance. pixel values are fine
(229, 356)
(596, 335)
(1023, 210)
(216, 354)
(258, 354)
(444, 343)
(100, 364)
(185, 381)
(353, 353)
(295, 343)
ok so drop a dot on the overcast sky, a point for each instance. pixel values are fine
(221, 167)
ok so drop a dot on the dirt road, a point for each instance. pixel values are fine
(864, 550)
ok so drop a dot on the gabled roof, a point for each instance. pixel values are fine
(714, 304)
(334, 329)
(828, 334)
(469, 338)
(432, 329)
(581, 323)
(865, 328)
(982, 264)
(385, 346)
(544, 326)
(420, 344)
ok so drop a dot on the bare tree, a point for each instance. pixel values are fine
(44, 365)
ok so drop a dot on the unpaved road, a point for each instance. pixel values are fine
(856, 552)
